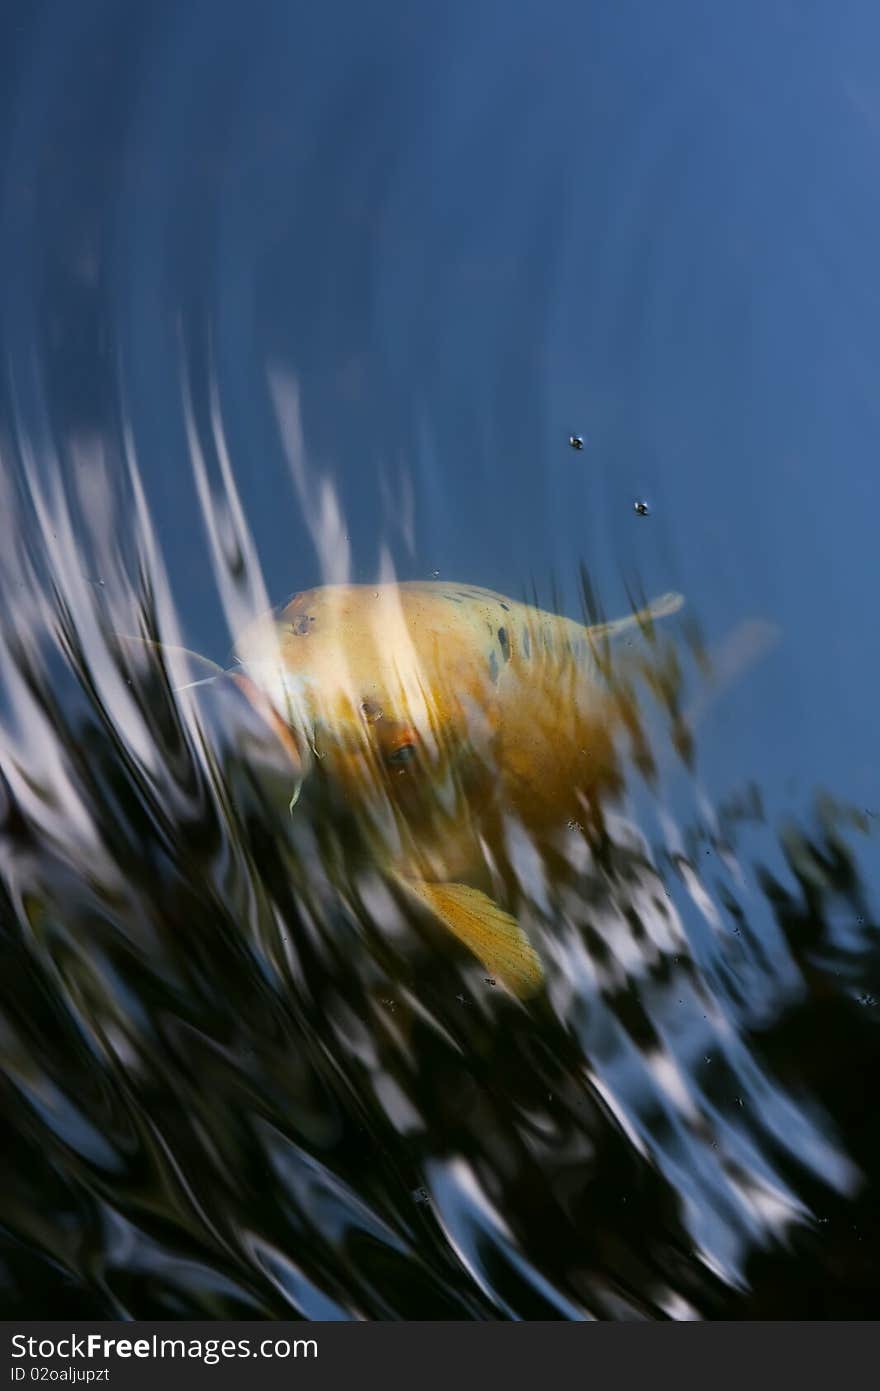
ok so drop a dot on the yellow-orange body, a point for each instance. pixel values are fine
(444, 715)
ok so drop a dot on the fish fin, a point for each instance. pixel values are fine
(741, 649)
(663, 607)
(493, 936)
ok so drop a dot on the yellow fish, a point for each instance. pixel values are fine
(442, 714)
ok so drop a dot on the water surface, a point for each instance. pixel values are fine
(294, 295)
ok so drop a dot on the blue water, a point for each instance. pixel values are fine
(294, 294)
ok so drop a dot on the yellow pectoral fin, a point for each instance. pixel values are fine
(491, 934)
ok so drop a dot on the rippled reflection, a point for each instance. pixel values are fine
(245, 1076)
(255, 1064)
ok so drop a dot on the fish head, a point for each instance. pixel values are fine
(383, 693)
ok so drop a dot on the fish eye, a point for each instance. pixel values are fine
(402, 755)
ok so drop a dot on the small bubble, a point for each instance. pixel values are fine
(576, 441)
(435, 574)
(574, 825)
(642, 509)
(490, 980)
(421, 1195)
(867, 1000)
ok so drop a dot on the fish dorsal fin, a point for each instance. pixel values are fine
(663, 607)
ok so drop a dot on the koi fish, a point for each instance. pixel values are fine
(443, 714)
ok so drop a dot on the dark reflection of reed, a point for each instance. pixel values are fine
(241, 1079)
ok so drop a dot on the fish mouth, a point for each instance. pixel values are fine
(294, 734)
(294, 739)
